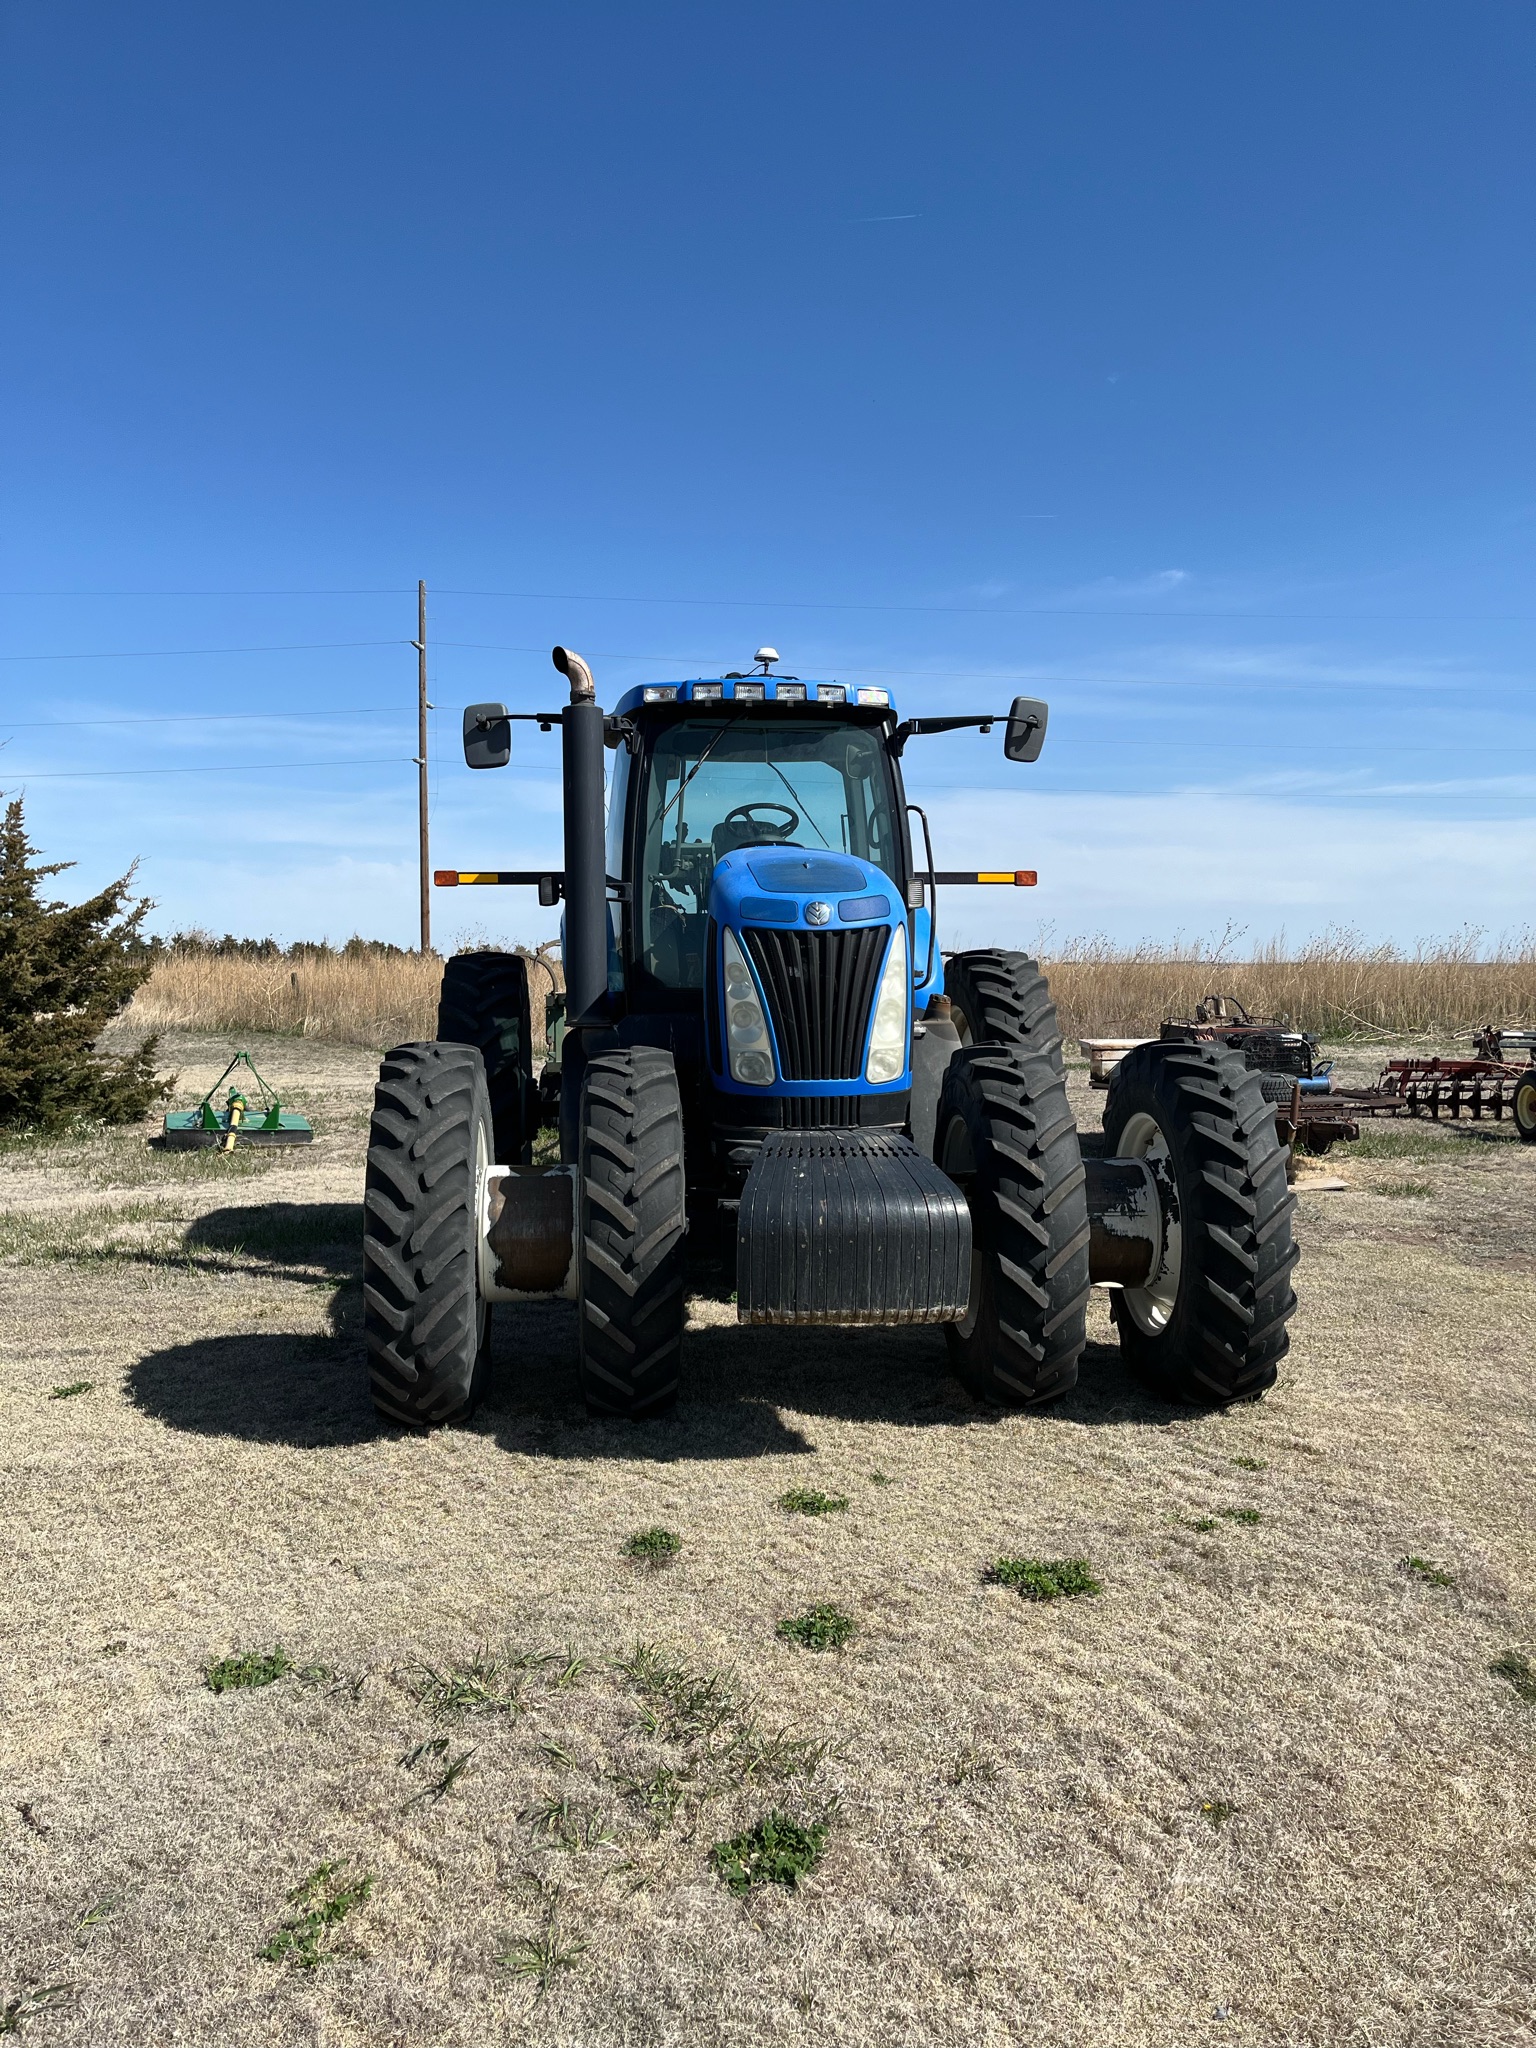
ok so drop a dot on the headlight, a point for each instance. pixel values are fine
(746, 1027)
(888, 1038)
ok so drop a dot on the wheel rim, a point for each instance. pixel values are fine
(957, 1158)
(1525, 1106)
(481, 1213)
(1151, 1307)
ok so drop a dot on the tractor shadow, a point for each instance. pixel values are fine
(749, 1392)
(310, 1390)
(742, 1389)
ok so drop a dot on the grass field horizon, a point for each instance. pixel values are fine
(1338, 985)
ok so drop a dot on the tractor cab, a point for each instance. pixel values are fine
(700, 779)
(759, 914)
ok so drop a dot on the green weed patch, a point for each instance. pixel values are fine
(777, 1850)
(248, 1668)
(308, 1936)
(1043, 1578)
(822, 1627)
(803, 1500)
(653, 1547)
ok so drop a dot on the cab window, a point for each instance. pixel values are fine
(714, 786)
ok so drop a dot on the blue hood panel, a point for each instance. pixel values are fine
(770, 888)
(789, 872)
(758, 885)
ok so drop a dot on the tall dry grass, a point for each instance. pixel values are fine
(1337, 986)
(375, 999)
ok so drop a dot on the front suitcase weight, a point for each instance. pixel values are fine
(850, 1227)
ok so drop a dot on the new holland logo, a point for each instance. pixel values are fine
(818, 913)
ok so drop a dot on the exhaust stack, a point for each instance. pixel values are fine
(586, 876)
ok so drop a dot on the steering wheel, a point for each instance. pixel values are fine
(742, 815)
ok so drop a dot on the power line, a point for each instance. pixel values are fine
(1261, 793)
(988, 611)
(402, 590)
(205, 717)
(163, 653)
(1059, 739)
(825, 605)
(218, 768)
(956, 675)
(1246, 790)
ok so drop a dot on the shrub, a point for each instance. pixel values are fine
(65, 972)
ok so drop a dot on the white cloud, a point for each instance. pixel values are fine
(1146, 867)
(1157, 583)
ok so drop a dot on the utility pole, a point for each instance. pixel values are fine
(422, 707)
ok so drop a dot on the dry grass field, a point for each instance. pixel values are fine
(1336, 986)
(1262, 1790)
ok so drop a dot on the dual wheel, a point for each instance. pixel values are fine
(1210, 1321)
(431, 1145)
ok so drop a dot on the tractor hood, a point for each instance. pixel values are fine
(792, 885)
(819, 934)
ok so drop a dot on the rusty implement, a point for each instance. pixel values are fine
(1317, 1121)
(1434, 1088)
(1452, 1090)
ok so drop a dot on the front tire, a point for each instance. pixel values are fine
(1210, 1325)
(429, 1144)
(1005, 1133)
(631, 1223)
(1524, 1107)
(1002, 998)
(484, 1003)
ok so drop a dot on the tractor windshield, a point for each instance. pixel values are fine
(714, 785)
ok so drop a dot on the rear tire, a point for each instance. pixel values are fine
(426, 1326)
(631, 1223)
(999, 998)
(1212, 1325)
(484, 1003)
(1005, 1133)
(1524, 1107)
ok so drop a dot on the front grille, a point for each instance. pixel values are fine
(824, 1112)
(819, 986)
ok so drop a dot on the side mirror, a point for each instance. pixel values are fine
(487, 736)
(1026, 729)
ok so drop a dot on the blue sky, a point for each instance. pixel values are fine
(1174, 363)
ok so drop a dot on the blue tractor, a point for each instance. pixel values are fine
(763, 1037)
